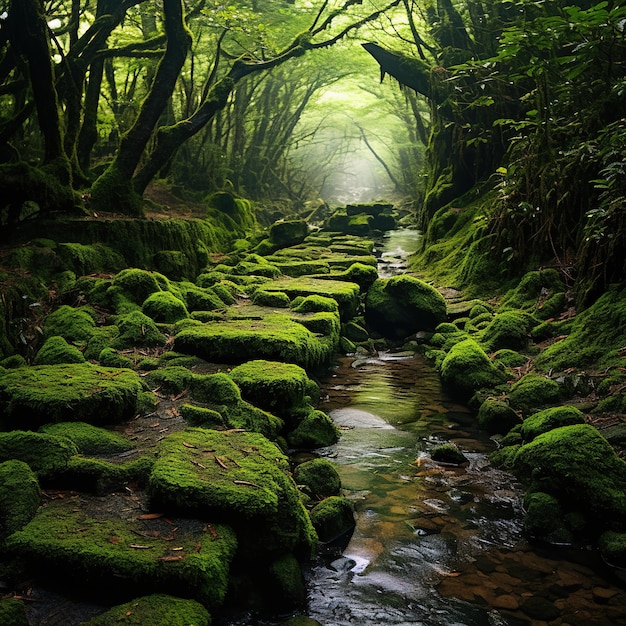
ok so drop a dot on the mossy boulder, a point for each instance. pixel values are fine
(276, 337)
(174, 264)
(276, 299)
(73, 324)
(319, 478)
(89, 439)
(332, 518)
(274, 386)
(32, 396)
(138, 284)
(497, 417)
(20, 497)
(200, 298)
(137, 330)
(126, 557)
(164, 307)
(467, 368)
(399, 306)
(533, 290)
(533, 392)
(613, 548)
(46, 455)
(288, 232)
(202, 416)
(315, 430)
(550, 418)
(56, 350)
(354, 332)
(172, 379)
(448, 453)
(314, 304)
(576, 465)
(157, 610)
(509, 329)
(285, 588)
(240, 476)
(544, 518)
(510, 358)
(109, 357)
(360, 273)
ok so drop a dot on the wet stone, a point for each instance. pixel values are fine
(507, 602)
(602, 594)
(539, 608)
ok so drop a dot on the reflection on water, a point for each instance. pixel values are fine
(416, 520)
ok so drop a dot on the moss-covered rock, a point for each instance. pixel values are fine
(497, 417)
(274, 386)
(32, 396)
(138, 284)
(200, 298)
(533, 392)
(109, 357)
(577, 466)
(240, 476)
(46, 455)
(73, 324)
(510, 358)
(202, 416)
(89, 439)
(169, 380)
(276, 299)
(127, 558)
(319, 478)
(467, 368)
(544, 518)
(332, 518)
(314, 304)
(509, 329)
(550, 418)
(448, 453)
(533, 290)
(56, 350)
(288, 233)
(165, 307)
(285, 584)
(315, 430)
(613, 548)
(156, 610)
(399, 306)
(137, 330)
(19, 498)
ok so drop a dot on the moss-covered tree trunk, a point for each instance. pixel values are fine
(114, 190)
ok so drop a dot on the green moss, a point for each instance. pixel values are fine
(496, 416)
(332, 517)
(576, 465)
(225, 290)
(202, 416)
(169, 380)
(288, 232)
(47, 455)
(90, 259)
(298, 268)
(36, 395)
(544, 518)
(102, 338)
(13, 612)
(399, 306)
(596, 337)
(550, 418)
(93, 552)
(165, 307)
(156, 610)
(56, 350)
(532, 392)
(89, 439)
(275, 337)
(360, 273)
(313, 304)
(240, 476)
(216, 388)
(510, 358)
(286, 583)
(109, 357)
(12, 362)
(73, 324)
(274, 386)
(466, 369)
(200, 298)
(19, 498)
(613, 548)
(137, 330)
(448, 453)
(509, 329)
(318, 478)
(137, 284)
(276, 299)
(175, 264)
(346, 294)
(504, 458)
(532, 291)
(315, 430)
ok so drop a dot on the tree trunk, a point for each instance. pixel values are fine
(114, 190)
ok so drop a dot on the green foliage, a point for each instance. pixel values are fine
(13, 611)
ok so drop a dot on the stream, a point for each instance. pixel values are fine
(434, 544)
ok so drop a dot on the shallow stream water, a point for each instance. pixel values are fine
(434, 544)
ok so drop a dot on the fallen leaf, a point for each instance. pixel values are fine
(150, 516)
(137, 546)
(188, 445)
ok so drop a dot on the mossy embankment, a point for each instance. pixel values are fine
(154, 378)
(544, 376)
